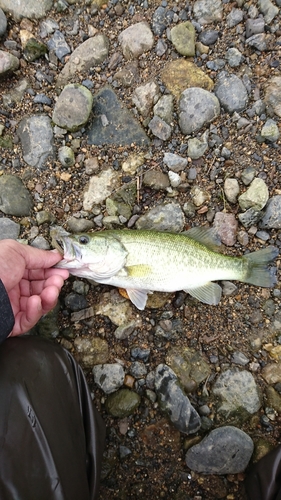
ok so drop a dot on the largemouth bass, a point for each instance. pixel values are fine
(145, 261)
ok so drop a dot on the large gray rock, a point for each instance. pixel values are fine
(136, 40)
(73, 107)
(197, 107)
(89, 54)
(15, 199)
(173, 401)
(231, 92)
(9, 229)
(272, 215)
(226, 450)
(26, 8)
(36, 135)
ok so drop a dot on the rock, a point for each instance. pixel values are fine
(32, 48)
(47, 327)
(183, 38)
(173, 401)
(255, 197)
(272, 215)
(180, 74)
(128, 75)
(75, 225)
(237, 389)
(199, 196)
(91, 351)
(121, 127)
(272, 373)
(197, 108)
(250, 218)
(260, 41)
(30, 9)
(145, 96)
(231, 189)
(118, 309)
(174, 162)
(239, 358)
(167, 217)
(270, 131)
(231, 92)
(160, 129)
(15, 199)
(174, 178)
(272, 96)
(234, 57)
(208, 37)
(87, 55)
(99, 188)
(197, 147)
(248, 175)
(234, 17)
(66, 156)
(138, 370)
(207, 11)
(226, 227)
(268, 9)
(226, 450)
(122, 403)
(136, 40)
(75, 302)
(133, 162)
(156, 180)
(124, 331)
(254, 26)
(160, 21)
(189, 365)
(3, 23)
(164, 108)
(109, 377)
(73, 107)
(273, 399)
(8, 229)
(58, 45)
(31, 130)
(8, 63)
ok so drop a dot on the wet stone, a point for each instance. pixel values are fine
(197, 107)
(15, 199)
(122, 403)
(237, 389)
(231, 92)
(226, 450)
(168, 217)
(173, 401)
(9, 229)
(73, 107)
(34, 129)
(121, 127)
(109, 377)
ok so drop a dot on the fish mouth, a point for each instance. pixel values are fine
(62, 243)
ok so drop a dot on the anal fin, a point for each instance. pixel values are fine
(138, 297)
(210, 293)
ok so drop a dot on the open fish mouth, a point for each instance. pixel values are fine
(62, 243)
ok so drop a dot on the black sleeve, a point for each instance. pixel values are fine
(7, 319)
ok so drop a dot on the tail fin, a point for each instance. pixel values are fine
(258, 272)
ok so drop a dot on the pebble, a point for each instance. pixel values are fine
(136, 40)
(145, 96)
(173, 401)
(122, 403)
(207, 11)
(231, 189)
(197, 108)
(58, 44)
(272, 214)
(91, 351)
(183, 38)
(237, 389)
(226, 450)
(255, 197)
(138, 369)
(66, 156)
(231, 92)
(167, 217)
(9, 229)
(160, 128)
(270, 131)
(15, 199)
(109, 377)
(174, 162)
(73, 107)
(226, 227)
(31, 130)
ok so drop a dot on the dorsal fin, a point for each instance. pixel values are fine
(205, 235)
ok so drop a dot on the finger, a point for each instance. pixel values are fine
(49, 298)
(36, 258)
(41, 274)
(37, 287)
(25, 320)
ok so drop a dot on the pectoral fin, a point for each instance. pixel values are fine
(210, 293)
(138, 297)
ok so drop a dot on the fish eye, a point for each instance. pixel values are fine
(84, 240)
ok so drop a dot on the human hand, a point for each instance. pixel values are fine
(31, 283)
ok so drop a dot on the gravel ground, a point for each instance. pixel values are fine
(145, 453)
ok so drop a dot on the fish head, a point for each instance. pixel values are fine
(90, 255)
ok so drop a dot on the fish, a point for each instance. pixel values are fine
(144, 261)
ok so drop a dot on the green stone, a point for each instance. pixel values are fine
(122, 403)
